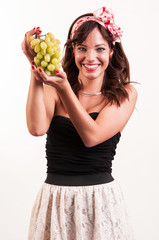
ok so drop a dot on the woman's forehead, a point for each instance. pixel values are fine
(95, 37)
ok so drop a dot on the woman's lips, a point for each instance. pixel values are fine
(91, 67)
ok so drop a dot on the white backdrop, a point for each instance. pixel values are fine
(22, 156)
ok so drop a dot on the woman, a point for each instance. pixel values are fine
(83, 110)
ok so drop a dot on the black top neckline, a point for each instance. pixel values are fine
(91, 113)
(70, 119)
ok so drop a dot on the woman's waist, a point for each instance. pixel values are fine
(79, 180)
(79, 165)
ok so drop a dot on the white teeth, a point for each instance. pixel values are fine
(91, 66)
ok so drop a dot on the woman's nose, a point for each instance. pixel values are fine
(90, 55)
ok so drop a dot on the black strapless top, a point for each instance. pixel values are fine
(67, 155)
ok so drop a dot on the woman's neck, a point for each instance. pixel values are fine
(91, 86)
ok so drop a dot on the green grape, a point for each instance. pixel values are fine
(34, 42)
(50, 44)
(53, 41)
(49, 50)
(51, 56)
(51, 67)
(58, 65)
(43, 45)
(54, 61)
(57, 41)
(47, 38)
(43, 52)
(39, 55)
(37, 48)
(37, 61)
(48, 72)
(51, 36)
(58, 49)
(55, 48)
(44, 64)
(47, 58)
(30, 38)
(57, 54)
(59, 60)
(48, 53)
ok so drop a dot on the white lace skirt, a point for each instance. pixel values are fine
(95, 212)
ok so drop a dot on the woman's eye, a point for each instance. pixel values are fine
(100, 49)
(81, 49)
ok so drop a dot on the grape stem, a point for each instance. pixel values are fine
(39, 36)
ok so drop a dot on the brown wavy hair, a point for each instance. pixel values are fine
(117, 74)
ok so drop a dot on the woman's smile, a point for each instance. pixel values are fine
(92, 56)
(91, 67)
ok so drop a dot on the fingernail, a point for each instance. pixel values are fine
(39, 31)
(38, 27)
(56, 71)
(33, 63)
(33, 67)
(40, 70)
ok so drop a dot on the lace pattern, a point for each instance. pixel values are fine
(95, 212)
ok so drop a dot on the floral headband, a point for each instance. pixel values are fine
(105, 17)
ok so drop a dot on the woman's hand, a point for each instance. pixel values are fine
(26, 48)
(59, 81)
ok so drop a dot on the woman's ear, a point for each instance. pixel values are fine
(111, 54)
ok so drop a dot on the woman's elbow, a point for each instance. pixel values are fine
(90, 143)
(36, 132)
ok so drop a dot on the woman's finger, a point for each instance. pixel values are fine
(36, 73)
(44, 76)
(31, 33)
(49, 80)
(56, 81)
(60, 73)
(28, 51)
(52, 79)
(35, 30)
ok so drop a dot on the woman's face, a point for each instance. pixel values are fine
(92, 56)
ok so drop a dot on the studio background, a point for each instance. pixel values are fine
(22, 156)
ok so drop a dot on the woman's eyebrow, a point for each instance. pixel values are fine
(81, 44)
(100, 45)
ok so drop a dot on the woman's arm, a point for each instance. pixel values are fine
(41, 98)
(110, 120)
(40, 105)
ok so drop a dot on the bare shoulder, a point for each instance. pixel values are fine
(132, 92)
(116, 116)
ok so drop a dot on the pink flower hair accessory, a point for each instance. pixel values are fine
(105, 17)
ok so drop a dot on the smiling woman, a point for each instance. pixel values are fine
(92, 57)
(108, 53)
(83, 111)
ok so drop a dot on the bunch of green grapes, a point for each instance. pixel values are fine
(47, 50)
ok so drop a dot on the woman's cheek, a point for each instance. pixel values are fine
(105, 59)
(78, 56)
